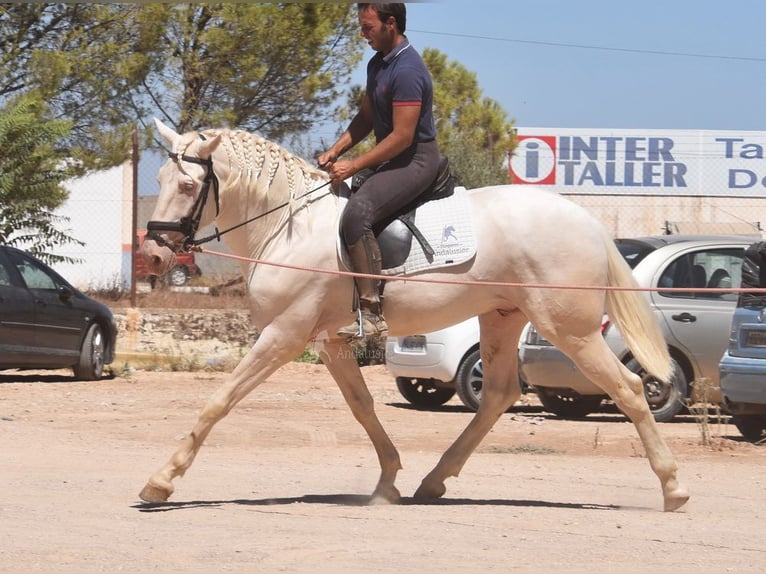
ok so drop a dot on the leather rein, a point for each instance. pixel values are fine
(189, 225)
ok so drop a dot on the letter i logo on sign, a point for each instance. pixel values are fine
(534, 160)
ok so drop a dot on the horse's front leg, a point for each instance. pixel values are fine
(340, 360)
(272, 350)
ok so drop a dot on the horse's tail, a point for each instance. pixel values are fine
(634, 318)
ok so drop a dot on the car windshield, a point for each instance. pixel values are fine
(633, 251)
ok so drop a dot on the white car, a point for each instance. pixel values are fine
(431, 368)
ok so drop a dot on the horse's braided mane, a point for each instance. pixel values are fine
(247, 153)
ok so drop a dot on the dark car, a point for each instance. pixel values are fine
(45, 323)
(184, 269)
(743, 365)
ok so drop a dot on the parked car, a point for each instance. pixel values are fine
(430, 368)
(45, 323)
(743, 366)
(184, 269)
(695, 325)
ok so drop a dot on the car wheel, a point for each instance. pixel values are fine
(178, 276)
(91, 364)
(567, 406)
(424, 393)
(665, 400)
(469, 380)
(751, 426)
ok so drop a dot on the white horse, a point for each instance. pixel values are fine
(524, 237)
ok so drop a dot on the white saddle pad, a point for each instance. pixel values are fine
(446, 225)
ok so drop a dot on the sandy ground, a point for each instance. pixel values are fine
(282, 485)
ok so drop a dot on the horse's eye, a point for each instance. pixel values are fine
(187, 186)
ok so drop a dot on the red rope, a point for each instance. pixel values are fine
(483, 283)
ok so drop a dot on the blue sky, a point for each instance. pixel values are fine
(628, 72)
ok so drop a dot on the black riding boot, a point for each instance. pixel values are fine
(365, 258)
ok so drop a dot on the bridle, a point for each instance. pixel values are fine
(189, 225)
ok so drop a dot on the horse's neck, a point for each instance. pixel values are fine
(262, 180)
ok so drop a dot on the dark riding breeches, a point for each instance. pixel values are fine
(391, 188)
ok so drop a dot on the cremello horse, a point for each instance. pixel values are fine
(524, 238)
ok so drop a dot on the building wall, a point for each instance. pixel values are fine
(96, 208)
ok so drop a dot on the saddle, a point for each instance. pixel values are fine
(395, 234)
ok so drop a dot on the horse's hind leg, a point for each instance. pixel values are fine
(268, 354)
(596, 361)
(500, 390)
(342, 364)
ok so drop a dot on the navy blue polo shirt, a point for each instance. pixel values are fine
(400, 78)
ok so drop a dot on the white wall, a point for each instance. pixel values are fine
(98, 208)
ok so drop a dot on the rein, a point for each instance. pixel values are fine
(217, 235)
(189, 225)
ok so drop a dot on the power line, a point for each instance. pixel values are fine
(586, 47)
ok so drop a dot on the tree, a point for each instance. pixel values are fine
(273, 68)
(84, 60)
(265, 67)
(471, 130)
(270, 68)
(31, 173)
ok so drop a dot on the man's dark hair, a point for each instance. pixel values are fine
(398, 11)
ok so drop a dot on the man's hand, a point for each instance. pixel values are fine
(342, 170)
(326, 160)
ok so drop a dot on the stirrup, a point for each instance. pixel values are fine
(367, 325)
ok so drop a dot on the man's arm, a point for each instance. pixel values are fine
(405, 123)
(358, 129)
(401, 137)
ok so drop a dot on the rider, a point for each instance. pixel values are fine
(398, 108)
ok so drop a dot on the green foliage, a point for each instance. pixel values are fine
(81, 59)
(473, 165)
(309, 356)
(105, 67)
(31, 173)
(471, 130)
(270, 68)
(274, 68)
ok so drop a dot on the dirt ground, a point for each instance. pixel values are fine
(282, 485)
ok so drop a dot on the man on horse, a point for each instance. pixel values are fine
(398, 108)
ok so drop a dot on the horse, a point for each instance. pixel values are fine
(539, 258)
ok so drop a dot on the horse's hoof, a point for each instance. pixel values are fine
(385, 495)
(676, 499)
(430, 490)
(154, 493)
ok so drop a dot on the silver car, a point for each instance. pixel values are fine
(695, 324)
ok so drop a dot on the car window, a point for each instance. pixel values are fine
(633, 251)
(710, 268)
(5, 276)
(35, 276)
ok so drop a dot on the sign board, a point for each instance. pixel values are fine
(641, 162)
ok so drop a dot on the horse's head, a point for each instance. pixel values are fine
(185, 182)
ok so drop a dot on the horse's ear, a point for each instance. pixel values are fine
(207, 147)
(166, 132)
